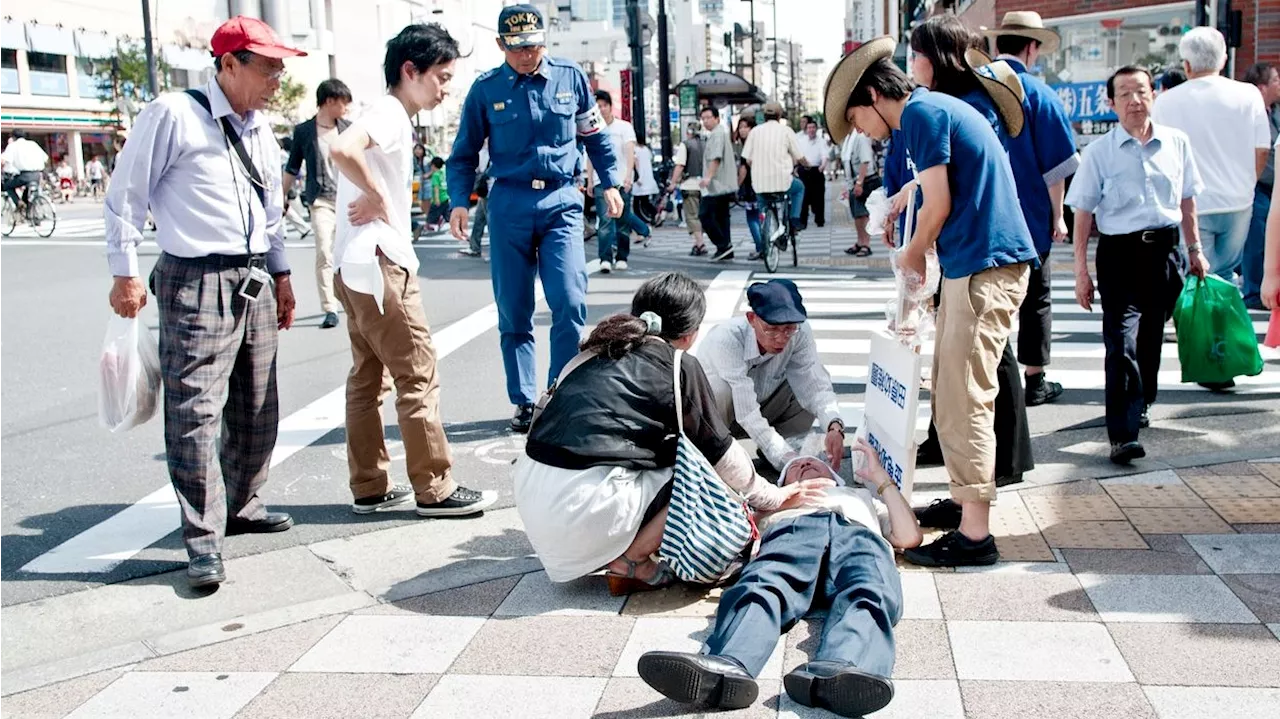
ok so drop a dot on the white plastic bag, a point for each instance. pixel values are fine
(878, 206)
(128, 375)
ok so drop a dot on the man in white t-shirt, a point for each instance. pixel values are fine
(96, 174)
(377, 284)
(613, 237)
(1230, 137)
(834, 551)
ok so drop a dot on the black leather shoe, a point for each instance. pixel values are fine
(940, 514)
(270, 522)
(205, 570)
(524, 417)
(1126, 452)
(840, 688)
(703, 680)
(929, 454)
(1011, 479)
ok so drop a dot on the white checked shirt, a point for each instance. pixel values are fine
(772, 152)
(730, 353)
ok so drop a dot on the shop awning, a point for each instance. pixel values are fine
(50, 39)
(187, 58)
(94, 44)
(723, 88)
(13, 36)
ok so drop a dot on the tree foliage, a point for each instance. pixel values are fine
(288, 98)
(122, 78)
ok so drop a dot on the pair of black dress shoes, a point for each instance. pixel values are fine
(206, 570)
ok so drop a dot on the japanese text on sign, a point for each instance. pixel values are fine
(892, 468)
(885, 382)
(1085, 101)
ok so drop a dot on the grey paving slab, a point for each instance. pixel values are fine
(1238, 655)
(392, 563)
(1059, 700)
(1036, 651)
(1169, 554)
(626, 698)
(390, 645)
(1238, 553)
(1213, 702)
(1011, 597)
(271, 651)
(1275, 629)
(473, 600)
(490, 697)
(57, 700)
(175, 695)
(39, 675)
(922, 646)
(677, 601)
(1155, 598)
(912, 699)
(536, 595)
(154, 606)
(340, 696)
(546, 646)
(1259, 592)
(679, 634)
(1056, 567)
(920, 596)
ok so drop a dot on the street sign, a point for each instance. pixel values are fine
(899, 461)
(625, 100)
(675, 116)
(688, 100)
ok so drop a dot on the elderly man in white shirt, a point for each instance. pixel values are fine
(206, 166)
(1227, 123)
(816, 149)
(766, 376)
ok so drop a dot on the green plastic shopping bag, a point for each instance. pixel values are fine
(1216, 341)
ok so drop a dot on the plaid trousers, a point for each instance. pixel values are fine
(218, 360)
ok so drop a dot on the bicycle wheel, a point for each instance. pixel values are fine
(43, 216)
(10, 217)
(770, 245)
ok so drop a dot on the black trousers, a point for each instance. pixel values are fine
(815, 196)
(714, 214)
(1013, 433)
(1035, 317)
(1139, 283)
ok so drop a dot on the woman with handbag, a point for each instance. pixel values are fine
(629, 434)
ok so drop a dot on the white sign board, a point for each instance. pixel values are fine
(893, 388)
(898, 460)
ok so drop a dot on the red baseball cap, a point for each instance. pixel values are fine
(249, 33)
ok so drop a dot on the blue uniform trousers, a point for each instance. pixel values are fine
(821, 557)
(536, 233)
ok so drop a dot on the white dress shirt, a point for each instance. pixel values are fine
(814, 148)
(730, 353)
(772, 151)
(177, 163)
(23, 155)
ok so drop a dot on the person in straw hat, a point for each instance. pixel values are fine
(1019, 40)
(970, 214)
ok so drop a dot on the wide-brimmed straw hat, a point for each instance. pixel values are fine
(1003, 85)
(1026, 23)
(845, 77)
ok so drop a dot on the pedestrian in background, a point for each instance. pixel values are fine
(1226, 122)
(862, 179)
(534, 110)
(719, 184)
(687, 177)
(1140, 181)
(97, 175)
(480, 222)
(312, 142)
(1267, 79)
(746, 194)
(377, 284)
(613, 237)
(814, 147)
(206, 165)
(438, 210)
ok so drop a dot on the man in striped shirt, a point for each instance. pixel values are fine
(772, 153)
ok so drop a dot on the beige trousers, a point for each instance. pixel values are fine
(692, 205)
(398, 341)
(323, 225)
(974, 323)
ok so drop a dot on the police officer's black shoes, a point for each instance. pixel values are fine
(839, 688)
(1126, 452)
(1144, 419)
(1041, 391)
(703, 680)
(205, 570)
(524, 417)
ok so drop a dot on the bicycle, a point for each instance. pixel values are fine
(777, 232)
(38, 210)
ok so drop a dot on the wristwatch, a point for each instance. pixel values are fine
(838, 424)
(1194, 247)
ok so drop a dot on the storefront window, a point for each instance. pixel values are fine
(90, 76)
(48, 74)
(9, 72)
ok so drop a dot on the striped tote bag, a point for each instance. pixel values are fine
(708, 523)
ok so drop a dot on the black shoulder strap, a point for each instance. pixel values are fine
(233, 138)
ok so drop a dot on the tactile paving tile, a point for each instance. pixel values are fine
(1094, 535)
(1169, 520)
(1154, 495)
(1023, 548)
(1270, 470)
(1048, 511)
(1233, 469)
(1248, 510)
(1233, 486)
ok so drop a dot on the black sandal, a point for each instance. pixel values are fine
(862, 251)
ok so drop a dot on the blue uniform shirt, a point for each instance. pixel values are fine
(534, 124)
(985, 228)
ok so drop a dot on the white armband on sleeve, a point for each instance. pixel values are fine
(590, 122)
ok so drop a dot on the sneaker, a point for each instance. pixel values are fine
(398, 495)
(940, 514)
(1040, 390)
(468, 252)
(620, 265)
(953, 549)
(462, 502)
(721, 255)
(1126, 452)
(606, 267)
(330, 321)
(523, 418)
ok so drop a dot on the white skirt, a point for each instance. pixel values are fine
(580, 520)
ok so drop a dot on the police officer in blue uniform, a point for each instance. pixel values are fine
(535, 110)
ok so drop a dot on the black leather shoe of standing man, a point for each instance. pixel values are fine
(205, 570)
(268, 523)
(702, 680)
(524, 417)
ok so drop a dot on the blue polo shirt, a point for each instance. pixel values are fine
(985, 228)
(897, 174)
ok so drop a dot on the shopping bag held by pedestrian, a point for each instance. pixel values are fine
(1273, 330)
(129, 375)
(1216, 341)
